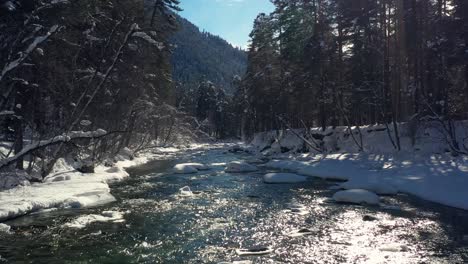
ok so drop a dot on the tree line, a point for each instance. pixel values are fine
(70, 70)
(349, 63)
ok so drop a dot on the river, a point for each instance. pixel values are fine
(230, 211)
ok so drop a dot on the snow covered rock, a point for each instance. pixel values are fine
(184, 169)
(198, 166)
(240, 166)
(4, 228)
(357, 196)
(185, 191)
(283, 178)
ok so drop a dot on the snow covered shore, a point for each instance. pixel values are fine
(424, 171)
(68, 188)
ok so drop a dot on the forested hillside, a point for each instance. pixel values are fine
(340, 62)
(201, 56)
(207, 72)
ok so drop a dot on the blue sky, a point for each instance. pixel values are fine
(230, 19)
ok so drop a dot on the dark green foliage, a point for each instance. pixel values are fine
(202, 56)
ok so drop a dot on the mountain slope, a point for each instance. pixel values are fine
(200, 56)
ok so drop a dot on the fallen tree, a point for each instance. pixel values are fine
(69, 137)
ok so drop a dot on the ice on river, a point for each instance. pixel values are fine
(240, 166)
(357, 196)
(283, 178)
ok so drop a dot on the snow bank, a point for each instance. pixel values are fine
(240, 166)
(357, 196)
(283, 178)
(329, 169)
(106, 216)
(286, 165)
(423, 167)
(373, 184)
(65, 188)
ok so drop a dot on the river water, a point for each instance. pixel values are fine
(230, 211)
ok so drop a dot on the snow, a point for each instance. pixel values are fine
(4, 228)
(198, 166)
(374, 185)
(240, 166)
(283, 178)
(106, 216)
(62, 138)
(285, 165)
(357, 196)
(66, 188)
(149, 39)
(185, 191)
(424, 169)
(184, 169)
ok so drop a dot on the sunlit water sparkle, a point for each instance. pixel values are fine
(232, 211)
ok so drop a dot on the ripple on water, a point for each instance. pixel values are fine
(229, 212)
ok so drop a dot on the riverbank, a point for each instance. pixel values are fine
(68, 188)
(425, 170)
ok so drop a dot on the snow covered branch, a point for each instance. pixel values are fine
(25, 54)
(74, 135)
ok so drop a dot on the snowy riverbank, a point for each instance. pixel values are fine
(68, 188)
(425, 170)
(437, 178)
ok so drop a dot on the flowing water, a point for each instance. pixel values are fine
(230, 211)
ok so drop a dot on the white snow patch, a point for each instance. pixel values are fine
(184, 169)
(4, 228)
(283, 178)
(328, 169)
(106, 216)
(374, 185)
(285, 165)
(357, 196)
(185, 191)
(198, 166)
(240, 166)
(65, 189)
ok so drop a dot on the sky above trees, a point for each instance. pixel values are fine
(230, 19)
